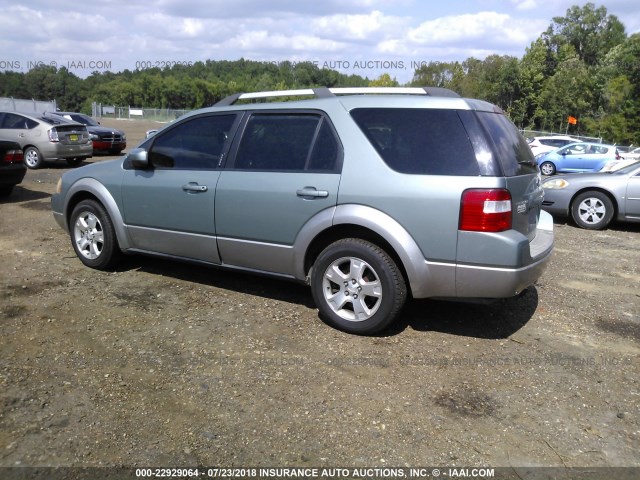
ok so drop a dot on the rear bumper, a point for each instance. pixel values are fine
(100, 145)
(482, 281)
(12, 174)
(55, 151)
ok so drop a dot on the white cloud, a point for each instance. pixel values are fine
(525, 4)
(368, 26)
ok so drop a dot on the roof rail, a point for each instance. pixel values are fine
(324, 92)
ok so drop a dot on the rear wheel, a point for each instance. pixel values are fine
(32, 157)
(6, 190)
(93, 236)
(357, 286)
(548, 168)
(592, 210)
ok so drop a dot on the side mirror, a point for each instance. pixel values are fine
(138, 159)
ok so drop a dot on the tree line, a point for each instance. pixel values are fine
(584, 65)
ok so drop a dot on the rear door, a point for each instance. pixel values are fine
(19, 129)
(284, 169)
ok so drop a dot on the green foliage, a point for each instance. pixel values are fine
(177, 87)
(384, 80)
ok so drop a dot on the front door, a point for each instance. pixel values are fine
(169, 208)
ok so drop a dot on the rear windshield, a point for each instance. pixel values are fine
(419, 141)
(512, 150)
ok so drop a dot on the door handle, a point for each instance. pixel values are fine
(194, 187)
(312, 192)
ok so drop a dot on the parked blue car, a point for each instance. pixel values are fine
(578, 157)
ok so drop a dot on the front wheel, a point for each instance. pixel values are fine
(547, 168)
(32, 157)
(93, 236)
(592, 210)
(357, 286)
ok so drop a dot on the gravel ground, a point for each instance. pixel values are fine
(161, 363)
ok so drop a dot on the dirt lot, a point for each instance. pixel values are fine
(168, 364)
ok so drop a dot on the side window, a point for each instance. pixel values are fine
(287, 142)
(599, 150)
(577, 150)
(194, 144)
(11, 120)
(325, 150)
(419, 141)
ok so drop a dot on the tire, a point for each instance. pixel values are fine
(357, 287)
(32, 158)
(93, 236)
(592, 210)
(547, 168)
(6, 190)
(75, 161)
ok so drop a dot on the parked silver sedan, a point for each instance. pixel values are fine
(593, 200)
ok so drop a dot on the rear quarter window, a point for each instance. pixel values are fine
(510, 147)
(419, 141)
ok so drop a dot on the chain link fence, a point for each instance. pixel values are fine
(537, 133)
(98, 110)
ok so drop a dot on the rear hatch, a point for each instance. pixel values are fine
(519, 168)
(72, 134)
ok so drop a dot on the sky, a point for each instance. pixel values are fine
(362, 37)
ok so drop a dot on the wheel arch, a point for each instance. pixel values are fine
(91, 189)
(367, 223)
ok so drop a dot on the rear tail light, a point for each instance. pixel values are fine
(13, 156)
(485, 210)
(53, 135)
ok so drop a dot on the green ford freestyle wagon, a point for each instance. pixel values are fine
(369, 195)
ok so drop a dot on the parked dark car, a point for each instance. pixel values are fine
(12, 167)
(104, 139)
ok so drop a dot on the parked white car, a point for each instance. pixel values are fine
(542, 145)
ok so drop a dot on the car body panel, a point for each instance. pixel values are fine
(277, 210)
(171, 212)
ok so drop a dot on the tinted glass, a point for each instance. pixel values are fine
(419, 141)
(11, 120)
(325, 150)
(194, 144)
(277, 142)
(511, 148)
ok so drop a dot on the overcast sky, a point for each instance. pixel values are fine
(363, 37)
